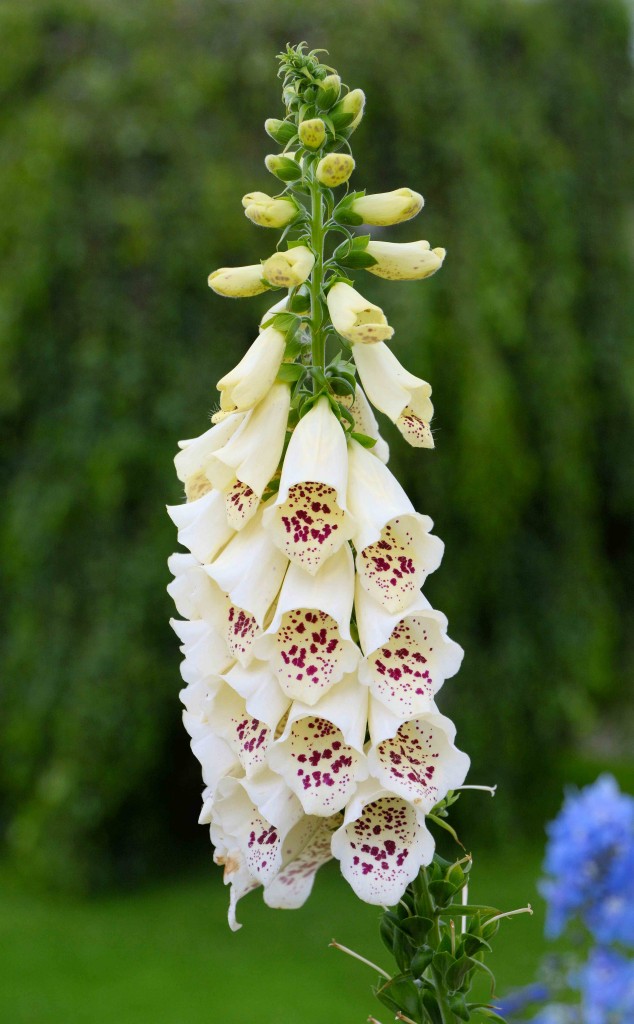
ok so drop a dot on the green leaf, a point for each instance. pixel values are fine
(479, 966)
(459, 1007)
(284, 322)
(442, 892)
(363, 439)
(290, 372)
(458, 972)
(400, 993)
(421, 961)
(474, 944)
(418, 928)
(442, 962)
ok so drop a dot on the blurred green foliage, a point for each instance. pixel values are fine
(129, 133)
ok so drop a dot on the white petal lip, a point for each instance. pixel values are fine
(197, 453)
(205, 651)
(216, 757)
(381, 845)
(202, 525)
(346, 706)
(290, 268)
(388, 385)
(250, 570)
(248, 737)
(254, 451)
(194, 595)
(404, 261)
(262, 694)
(247, 384)
(293, 884)
(394, 568)
(420, 762)
(366, 423)
(355, 317)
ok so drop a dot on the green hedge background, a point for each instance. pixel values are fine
(129, 132)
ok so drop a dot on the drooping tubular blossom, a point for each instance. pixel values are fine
(311, 658)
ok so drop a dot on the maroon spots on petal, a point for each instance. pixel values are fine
(402, 669)
(314, 664)
(311, 519)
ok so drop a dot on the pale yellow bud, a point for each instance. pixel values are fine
(386, 208)
(283, 166)
(261, 209)
(312, 133)
(404, 261)
(334, 169)
(352, 103)
(288, 269)
(238, 282)
(355, 318)
(328, 91)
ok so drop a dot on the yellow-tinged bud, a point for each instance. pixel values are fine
(355, 318)
(238, 282)
(386, 208)
(312, 133)
(351, 104)
(288, 269)
(267, 212)
(334, 169)
(328, 92)
(283, 166)
(280, 131)
(404, 261)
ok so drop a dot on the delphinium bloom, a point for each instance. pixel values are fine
(590, 863)
(312, 659)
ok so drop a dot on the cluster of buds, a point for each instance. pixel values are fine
(311, 656)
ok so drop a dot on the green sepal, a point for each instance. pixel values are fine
(477, 965)
(418, 928)
(293, 243)
(285, 323)
(400, 993)
(341, 385)
(441, 962)
(290, 372)
(492, 1015)
(421, 961)
(473, 944)
(458, 972)
(363, 439)
(357, 260)
(287, 169)
(459, 1006)
(341, 411)
(340, 120)
(442, 892)
(306, 402)
(283, 131)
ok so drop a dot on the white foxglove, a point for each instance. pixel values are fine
(404, 261)
(355, 318)
(310, 519)
(250, 381)
(392, 389)
(385, 208)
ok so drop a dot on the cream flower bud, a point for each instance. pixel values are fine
(386, 208)
(334, 169)
(238, 282)
(395, 391)
(266, 212)
(312, 133)
(247, 384)
(355, 318)
(328, 91)
(352, 103)
(280, 131)
(283, 166)
(404, 261)
(288, 269)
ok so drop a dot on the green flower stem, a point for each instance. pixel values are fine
(421, 888)
(316, 278)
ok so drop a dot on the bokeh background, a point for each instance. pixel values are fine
(128, 134)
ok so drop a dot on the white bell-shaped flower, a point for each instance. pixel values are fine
(244, 467)
(236, 873)
(198, 700)
(247, 384)
(191, 590)
(395, 550)
(250, 569)
(408, 655)
(202, 525)
(393, 390)
(356, 318)
(365, 422)
(306, 848)
(257, 814)
(310, 520)
(308, 644)
(197, 454)
(416, 759)
(216, 757)
(248, 737)
(264, 699)
(204, 650)
(381, 845)
(404, 261)
(320, 753)
(290, 268)
(386, 208)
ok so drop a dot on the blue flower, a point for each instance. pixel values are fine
(607, 988)
(590, 863)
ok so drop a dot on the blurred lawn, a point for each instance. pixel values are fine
(165, 955)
